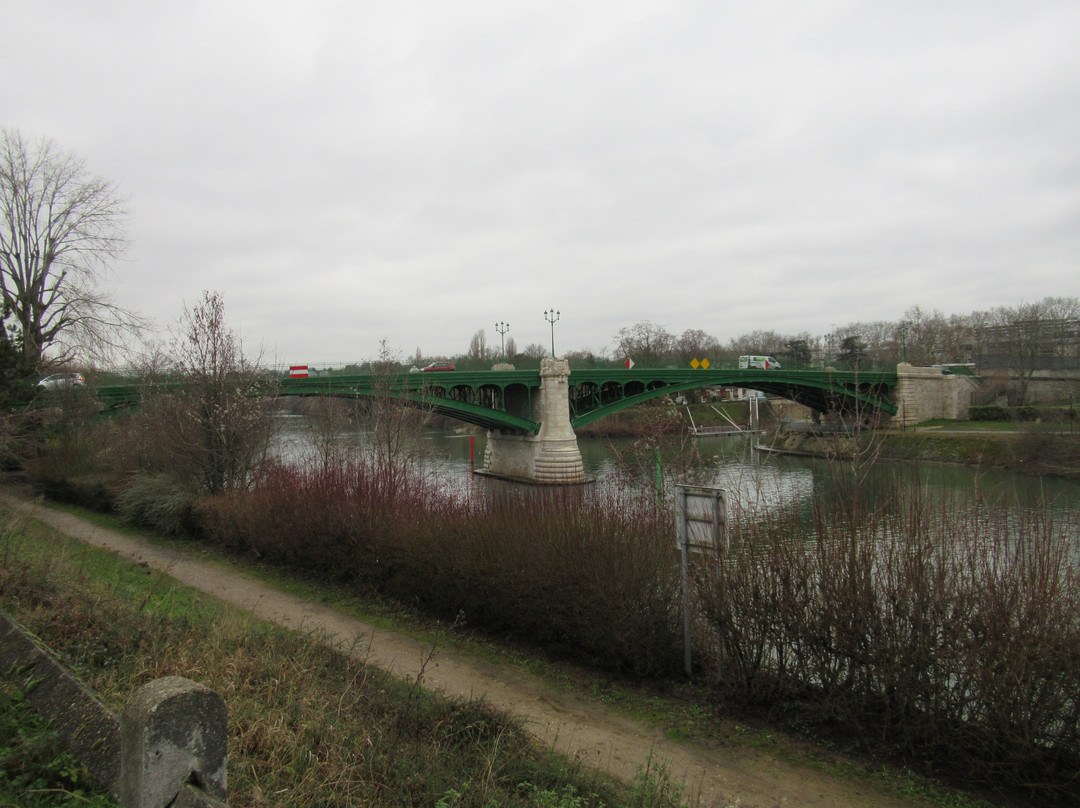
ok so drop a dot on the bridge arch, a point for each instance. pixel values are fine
(507, 400)
(820, 390)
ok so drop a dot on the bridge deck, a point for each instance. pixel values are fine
(503, 399)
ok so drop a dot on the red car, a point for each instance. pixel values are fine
(439, 366)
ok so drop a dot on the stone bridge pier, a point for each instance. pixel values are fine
(550, 457)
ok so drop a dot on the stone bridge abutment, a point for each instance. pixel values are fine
(925, 394)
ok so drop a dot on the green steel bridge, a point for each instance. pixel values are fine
(503, 400)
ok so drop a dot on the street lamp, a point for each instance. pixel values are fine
(552, 317)
(828, 350)
(903, 342)
(502, 328)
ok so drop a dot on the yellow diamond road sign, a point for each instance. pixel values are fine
(703, 364)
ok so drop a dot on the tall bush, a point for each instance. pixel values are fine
(954, 632)
(567, 569)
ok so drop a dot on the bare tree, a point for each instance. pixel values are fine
(61, 227)
(588, 358)
(534, 350)
(647, 344)
(396, 425)
(929, 337)
(478, 346)
(758, 342)
(221, 423)
(696, 344)
(326, 419)
(1029, 337)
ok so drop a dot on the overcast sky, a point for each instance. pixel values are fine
(348, 172)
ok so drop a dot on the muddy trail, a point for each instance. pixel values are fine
(599, 736)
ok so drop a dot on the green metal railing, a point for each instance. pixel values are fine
(504, 399)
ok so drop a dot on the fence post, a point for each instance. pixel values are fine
(173, 734)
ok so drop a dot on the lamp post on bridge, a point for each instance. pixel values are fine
(552, 317)
(903, 342)
(502, 328)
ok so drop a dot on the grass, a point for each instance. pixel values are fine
(35, 769)
(946, 425)
(308, 726)
(382, 614)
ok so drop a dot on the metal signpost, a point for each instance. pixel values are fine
(702, 524)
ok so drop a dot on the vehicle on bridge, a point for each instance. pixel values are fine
(439, 366)
(761, 362)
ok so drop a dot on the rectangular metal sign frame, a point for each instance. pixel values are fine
(701, 515)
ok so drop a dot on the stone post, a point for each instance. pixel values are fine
(174, 734)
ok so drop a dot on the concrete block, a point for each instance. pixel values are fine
(174, 732)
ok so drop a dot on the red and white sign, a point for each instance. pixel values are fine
(629, 364)
(298, 372)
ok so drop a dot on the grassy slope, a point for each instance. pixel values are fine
(141, 625)
(298, 736)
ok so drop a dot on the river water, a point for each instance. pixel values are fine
(753, 478)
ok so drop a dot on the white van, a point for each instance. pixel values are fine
(761, 362)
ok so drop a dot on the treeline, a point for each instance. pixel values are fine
(1011, 335)
(1019, 337)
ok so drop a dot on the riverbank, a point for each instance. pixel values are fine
(1051, 449)
(204, 621)
(1022, 448)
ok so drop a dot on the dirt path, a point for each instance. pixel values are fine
(598, 736)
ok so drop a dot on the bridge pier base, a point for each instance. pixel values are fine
(550, 457)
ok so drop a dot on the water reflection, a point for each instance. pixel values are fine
(755, 480)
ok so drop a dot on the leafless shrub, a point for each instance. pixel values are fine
(571, 569)
(206, 414)
(325, 419)
(952, 631)
(662, 452)
(396, 425)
